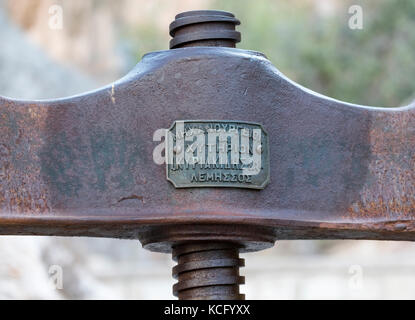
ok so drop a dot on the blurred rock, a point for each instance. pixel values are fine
(94, 33)
(23, 274)
(27, 73)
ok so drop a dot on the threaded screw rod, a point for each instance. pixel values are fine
(208, 271)
(210, 28)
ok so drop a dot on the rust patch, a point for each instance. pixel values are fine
(390, 188)
(21, 186)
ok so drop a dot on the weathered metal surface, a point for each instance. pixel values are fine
(83, 166)
(228, 154)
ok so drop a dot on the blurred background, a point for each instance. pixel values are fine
(358, 51)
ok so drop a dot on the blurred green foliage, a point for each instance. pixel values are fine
(312, 44)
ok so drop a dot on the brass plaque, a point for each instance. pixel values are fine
(217, 154)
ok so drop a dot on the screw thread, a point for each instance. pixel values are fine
(204, 28)
(208, 271)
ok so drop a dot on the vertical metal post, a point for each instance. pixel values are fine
(206, 270)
